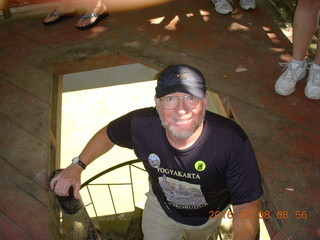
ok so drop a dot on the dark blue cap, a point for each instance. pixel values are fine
(181, 78)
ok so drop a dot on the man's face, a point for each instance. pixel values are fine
(181, 122)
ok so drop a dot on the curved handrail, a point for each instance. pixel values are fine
(109, 170)
(88, 183)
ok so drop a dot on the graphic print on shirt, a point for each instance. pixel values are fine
(154, 160)
(182, 194)
(200, 166)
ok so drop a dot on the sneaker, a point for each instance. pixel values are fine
(222, 6)
(248, 4)
(312, 89)
(286, 83)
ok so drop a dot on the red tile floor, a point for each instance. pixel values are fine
(238, 53)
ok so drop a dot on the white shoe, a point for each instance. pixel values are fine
(248, 4)
(286, 83)
(222, 6)
(312, 89)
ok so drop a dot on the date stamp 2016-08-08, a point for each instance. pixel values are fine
(262, 214)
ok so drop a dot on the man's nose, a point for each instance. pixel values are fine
(181, 108)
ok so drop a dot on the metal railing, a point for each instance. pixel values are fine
(89, 183)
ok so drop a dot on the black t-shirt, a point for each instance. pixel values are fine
(218, 169)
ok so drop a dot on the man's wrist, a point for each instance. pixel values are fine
(77, 161)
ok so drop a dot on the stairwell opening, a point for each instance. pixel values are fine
(90, 100)
(86, 101)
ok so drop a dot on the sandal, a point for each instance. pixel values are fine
(58, 16)
(87, 15)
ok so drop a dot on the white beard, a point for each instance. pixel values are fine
(179, 132)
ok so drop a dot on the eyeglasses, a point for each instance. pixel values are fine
(171, 102)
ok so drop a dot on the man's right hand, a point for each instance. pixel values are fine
(71, 176)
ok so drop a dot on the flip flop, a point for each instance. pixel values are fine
(58, 17)
(98, 17)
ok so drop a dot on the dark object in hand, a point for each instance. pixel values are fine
(69, 204)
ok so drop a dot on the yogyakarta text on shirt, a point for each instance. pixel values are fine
(178, 173)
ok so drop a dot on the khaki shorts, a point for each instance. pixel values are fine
(156, 225)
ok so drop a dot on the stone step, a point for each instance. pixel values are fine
(122, 226)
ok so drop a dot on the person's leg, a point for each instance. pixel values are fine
(317, 56)
(156, 225)
(312, 89)
(204, 231)
(304, 25)
(66, 6)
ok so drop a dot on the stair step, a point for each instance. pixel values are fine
(134, 231)
(117, 226)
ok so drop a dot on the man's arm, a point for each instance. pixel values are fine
(246, 220)
(71, 176)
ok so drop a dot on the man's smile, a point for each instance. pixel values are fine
(182, 120)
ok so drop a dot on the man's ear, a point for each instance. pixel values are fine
(206, 101)
(156, 102)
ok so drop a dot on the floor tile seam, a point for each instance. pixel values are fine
(265, 153)
(17, 225)
(126, 33)
(164, 45)
(304, 159)
(27, 231)
(35, 197)
(24, 176)
(28, 62)
(147, 41)
(28, 38)
(47, 143)
(48, 104)
(311, 204)
(280, 117)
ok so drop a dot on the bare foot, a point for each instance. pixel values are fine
(54, 16)
(89, 20)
